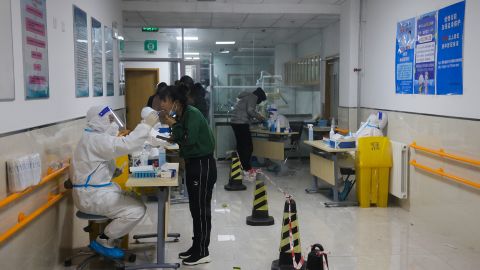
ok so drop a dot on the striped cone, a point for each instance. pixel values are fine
(235, 180)
(285, 261)
(260, 215)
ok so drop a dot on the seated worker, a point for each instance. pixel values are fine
(153, 101)
(94, 167)
(243, 113)
(276, 118)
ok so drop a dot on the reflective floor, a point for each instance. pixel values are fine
(372, 238)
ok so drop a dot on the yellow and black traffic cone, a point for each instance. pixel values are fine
(235, 179)
(260, 215)
(285, 261)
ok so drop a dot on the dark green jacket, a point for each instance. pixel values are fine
(193, 134)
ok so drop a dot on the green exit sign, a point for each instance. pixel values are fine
(149, 29)
(150, 45)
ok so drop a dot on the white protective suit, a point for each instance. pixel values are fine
(374, 126)
(94, 157)
(274, 116)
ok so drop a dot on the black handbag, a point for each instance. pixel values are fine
(317, 258)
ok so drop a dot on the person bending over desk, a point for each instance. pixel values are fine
(243, 113)
(192, 133)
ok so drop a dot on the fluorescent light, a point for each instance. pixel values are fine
(192, 58)
(192, 53)
(187, 38)
(225, 42)
(225, 52)
(82, 41)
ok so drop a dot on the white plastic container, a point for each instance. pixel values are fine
(332, 129)
(162, 159)
(310, 132)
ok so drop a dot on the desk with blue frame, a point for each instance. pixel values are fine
(324, 166)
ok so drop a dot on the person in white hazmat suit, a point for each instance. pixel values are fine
(374, 125)
(94, 167)
(275, 117)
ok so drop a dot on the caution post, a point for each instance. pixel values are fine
(290, 248)
(235, 178)
(260, 215)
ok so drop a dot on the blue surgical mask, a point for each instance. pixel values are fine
(172, 112)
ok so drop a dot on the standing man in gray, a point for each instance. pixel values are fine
(243, 113)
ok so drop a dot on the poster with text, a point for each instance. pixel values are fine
(424, 80)
(109, 60)
(97, 58)
(404, 56)
(7, 79)
(450, 49)
(35, 48)
(80, 38)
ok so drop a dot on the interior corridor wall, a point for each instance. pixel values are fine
(45, 242)
(439, 122)
(62, 103)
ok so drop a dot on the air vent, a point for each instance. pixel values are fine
(206, 0)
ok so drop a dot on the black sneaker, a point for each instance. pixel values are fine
(186, 254)
(195, 259)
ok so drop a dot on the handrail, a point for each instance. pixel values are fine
(25, 220)
(441, 152)
(45, 180)
(441, 172)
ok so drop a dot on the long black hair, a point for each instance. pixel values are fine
(175, 93)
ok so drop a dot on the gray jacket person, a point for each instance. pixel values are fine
(243, 112)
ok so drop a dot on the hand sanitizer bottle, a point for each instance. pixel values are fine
(310, 132)
(332, 128)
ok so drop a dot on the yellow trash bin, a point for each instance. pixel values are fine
(373, 162)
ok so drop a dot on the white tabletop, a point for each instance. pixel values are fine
(264, 131)
(173, 146)
(155, 181)
(322, 145)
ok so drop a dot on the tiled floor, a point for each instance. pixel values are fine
(369, 239)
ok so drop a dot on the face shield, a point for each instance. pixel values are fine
(108, 114)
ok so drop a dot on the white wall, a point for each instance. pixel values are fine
(349, 29)
(378, 88)
(163, 69)
(311, 46)
(331, 40)
(443, 206)
(62, 104)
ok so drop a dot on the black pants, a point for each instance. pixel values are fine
(201, 175)
(244, 144)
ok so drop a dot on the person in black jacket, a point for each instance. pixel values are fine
(196, 95)
(153, 101)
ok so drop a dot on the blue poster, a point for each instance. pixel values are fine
(80, 39)
(404, 53)
(424, 80)
(450, 50)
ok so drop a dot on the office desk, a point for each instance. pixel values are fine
(324, 166)
(163, 185)
(273, 147)
(173, 155)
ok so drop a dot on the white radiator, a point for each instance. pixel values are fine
(399, 171)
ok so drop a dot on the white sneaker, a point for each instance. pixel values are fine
(108, 243)
(248, 178)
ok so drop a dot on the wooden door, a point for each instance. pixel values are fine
(140, 84)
